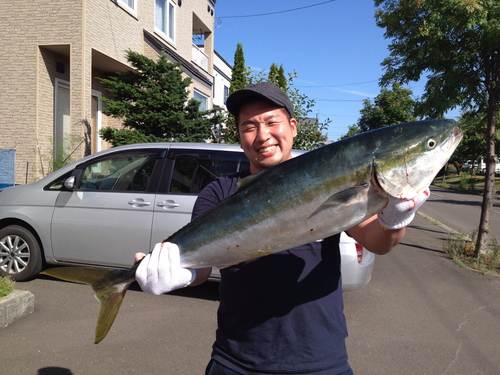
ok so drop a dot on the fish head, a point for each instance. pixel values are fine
(409, 156)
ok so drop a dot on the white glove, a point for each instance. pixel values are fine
(160, 271)
(400, 212)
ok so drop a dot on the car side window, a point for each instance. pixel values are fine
(194, 170)
(122, 172)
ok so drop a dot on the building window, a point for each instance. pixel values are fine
(202, 99)
(96, 122)
(226, 93)
(62, 121)
(165, 18)
(129, 5)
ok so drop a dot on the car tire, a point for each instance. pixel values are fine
(20, 253)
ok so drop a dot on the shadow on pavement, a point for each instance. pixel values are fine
(54, 371)
(208, 291)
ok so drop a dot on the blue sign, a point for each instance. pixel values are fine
(7, 167)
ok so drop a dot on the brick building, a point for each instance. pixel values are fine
(52, 52)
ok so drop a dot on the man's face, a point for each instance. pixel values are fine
(266, 135)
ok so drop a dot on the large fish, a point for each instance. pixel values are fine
(310, 197)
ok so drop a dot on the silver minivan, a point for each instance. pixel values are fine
(102, 209)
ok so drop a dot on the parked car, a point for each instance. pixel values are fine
(497, 170)
(468, 164)
(102, 209)
(479, 166)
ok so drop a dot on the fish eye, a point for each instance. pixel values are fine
(431, 143)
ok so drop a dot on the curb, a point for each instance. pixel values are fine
(438, 223)
(16, 305)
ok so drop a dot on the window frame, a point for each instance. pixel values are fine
(167, 30)
(205, 97)
(124, 4)
(154, 180)
(59, 119)
(96, 139)
(198, 154)
(226, 93)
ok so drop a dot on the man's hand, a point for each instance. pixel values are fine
(400, 212)
(160, 271)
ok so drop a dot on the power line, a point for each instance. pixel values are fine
(334, 115)
(278, 12)
(339, 100)
(343, 84)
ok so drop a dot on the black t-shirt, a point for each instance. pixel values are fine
(282, 313)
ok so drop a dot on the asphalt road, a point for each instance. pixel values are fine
(460, 211)
(420, 314)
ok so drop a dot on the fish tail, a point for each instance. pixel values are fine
(109, 287)
(111, 299)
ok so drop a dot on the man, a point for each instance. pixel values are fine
(282, 313)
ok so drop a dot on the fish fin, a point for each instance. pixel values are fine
(82, 275)
(111, 300)
(341, 199)
(109, 287)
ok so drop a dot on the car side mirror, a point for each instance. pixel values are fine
(70, 183)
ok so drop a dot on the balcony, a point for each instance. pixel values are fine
(200, 58)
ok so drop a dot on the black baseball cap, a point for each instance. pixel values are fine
(261, 90)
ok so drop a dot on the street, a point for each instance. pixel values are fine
(420, 314)
(168, 334)
(460, 211)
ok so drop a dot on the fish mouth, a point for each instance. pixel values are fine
(375, 182)
(457, 137)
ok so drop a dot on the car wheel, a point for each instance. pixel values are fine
(20, 255)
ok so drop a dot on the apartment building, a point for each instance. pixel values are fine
(222, 80)
(53, 51)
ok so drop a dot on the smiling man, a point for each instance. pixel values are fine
(265, 130)
(282, 313)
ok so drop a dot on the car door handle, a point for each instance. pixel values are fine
(139, 202)
(168, 203)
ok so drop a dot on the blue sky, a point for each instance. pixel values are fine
(336, 49)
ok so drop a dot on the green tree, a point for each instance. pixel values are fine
(352, 130)
(474, 140)
(310, 134)
(239, 71)
(278, 76)
(282, 81)
(239, 80)
(455, 44)
(390, 107)
(273, 74)
(310, 131)
(152, 101)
